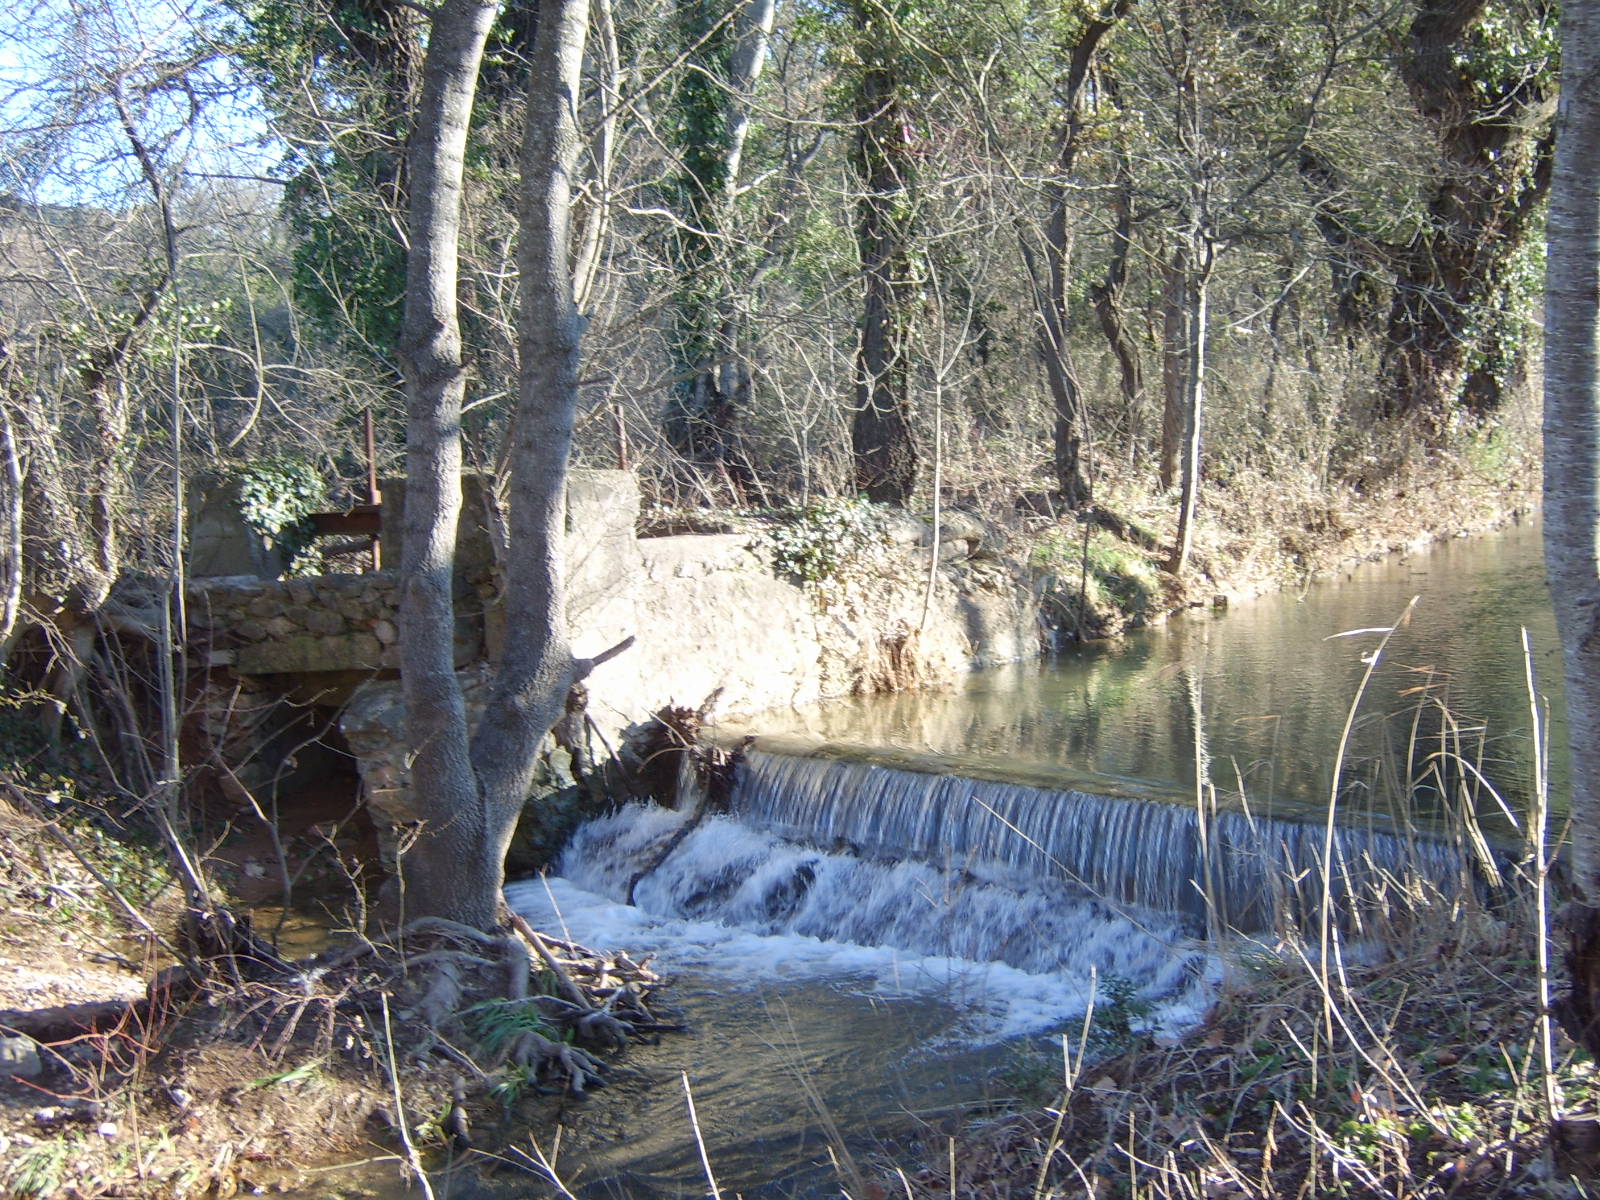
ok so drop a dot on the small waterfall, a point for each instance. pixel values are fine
(1153, 855)
(886, 869)
(726, 871)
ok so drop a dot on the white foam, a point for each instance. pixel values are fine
(746, 908)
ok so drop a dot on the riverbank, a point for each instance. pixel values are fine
(1413, 1067)
(1100, 578)
(124, 1132)
(1419, 1074)
(190, 1059)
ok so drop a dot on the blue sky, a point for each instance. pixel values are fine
(59, 132)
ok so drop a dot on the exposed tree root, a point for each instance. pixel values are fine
(511, 1009)
(544, 1058)
(516, 1001)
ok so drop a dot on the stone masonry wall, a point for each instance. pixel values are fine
(319, 624)
(711, 620)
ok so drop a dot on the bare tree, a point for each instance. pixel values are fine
(1052, 279)
(728, 52)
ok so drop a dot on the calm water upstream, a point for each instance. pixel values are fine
(1266, 685)
(854, 952)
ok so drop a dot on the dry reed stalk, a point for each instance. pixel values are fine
(699, 1140)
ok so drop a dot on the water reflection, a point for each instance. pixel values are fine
(1264, 689)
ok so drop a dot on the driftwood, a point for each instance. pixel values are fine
(600, 1001)
(671, 844)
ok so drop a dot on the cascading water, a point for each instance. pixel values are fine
(847, 849)
(845, 870)
(1226, 870)
(1064, 885)
(732, 873)
(997, 891)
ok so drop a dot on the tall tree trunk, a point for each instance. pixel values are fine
(1054, 314)
(1107, 300)
(538, 669)
(1196, 317)
(1572, 479)
(1066, 393)
(1174, 349)
(884, 451)
(469, 797)
(443, 873)
(1052, 294)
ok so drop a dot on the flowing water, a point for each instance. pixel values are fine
(900, 884)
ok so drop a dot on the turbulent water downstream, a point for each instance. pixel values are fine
(900, 885)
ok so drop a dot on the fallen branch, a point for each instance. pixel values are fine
(581, 668)
(570, 989)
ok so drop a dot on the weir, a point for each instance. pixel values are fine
(1228, 869)
(1046, 880)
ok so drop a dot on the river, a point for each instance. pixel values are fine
(908, 884)
(1274, 682)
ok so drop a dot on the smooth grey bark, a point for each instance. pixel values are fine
(469, 794)
(1572, 422)
(1196, 318)
(537, 668)
(441, 871)
(752, 34)
(1173, 343)
(1572, 482)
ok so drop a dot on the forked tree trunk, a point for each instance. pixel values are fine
(537, 669)
(1107, 300)
(468, 797)
(1052, 292)
(1572, 478)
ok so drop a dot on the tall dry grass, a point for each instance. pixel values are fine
(1418, 1064)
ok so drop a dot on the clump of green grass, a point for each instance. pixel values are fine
(1095, 583)
(39, 1170)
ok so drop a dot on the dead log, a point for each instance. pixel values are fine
(63, 1022)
